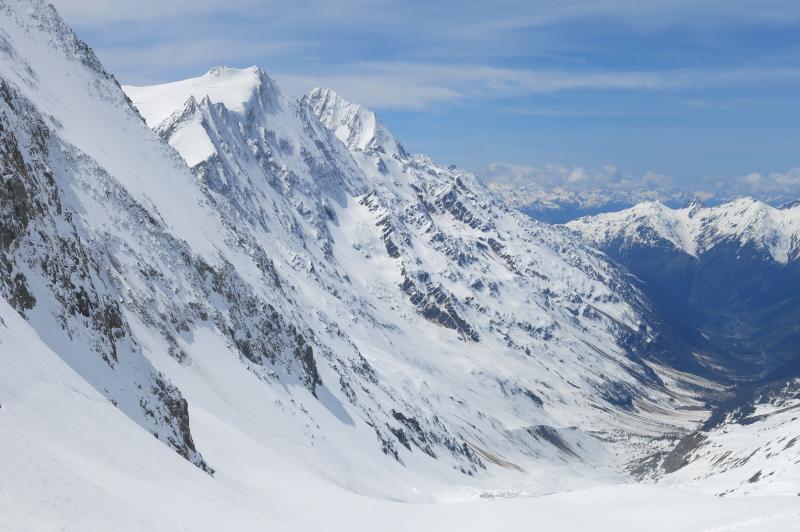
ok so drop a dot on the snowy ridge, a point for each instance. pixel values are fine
(723, 272)
(357, 127)
(695, 229)
(72, 461)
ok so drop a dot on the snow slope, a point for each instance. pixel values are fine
(73, 462)
(748, 449)
(63, 212)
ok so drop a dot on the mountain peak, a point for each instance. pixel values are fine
(746, 200)
(694, 203)
(235, 88)
(653, 207)
(694, 206)
(359, 128)
(224, 70)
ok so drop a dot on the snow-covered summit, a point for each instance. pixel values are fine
(232, 87)
(696, 229)
(229, 119)
(357, 127)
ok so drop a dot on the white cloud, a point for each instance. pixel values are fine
(98, 12)
(148, 41)
(145, 64)
(575, 177)
(417, 85)
(525, 184)
(770, 186)
(500, 15)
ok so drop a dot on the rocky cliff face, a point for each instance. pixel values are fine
(60, 276)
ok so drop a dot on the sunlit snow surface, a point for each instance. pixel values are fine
(71, 461)
(231, 87)
(756, 453)
(293, 226)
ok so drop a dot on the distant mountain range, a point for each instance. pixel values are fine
(561, 204)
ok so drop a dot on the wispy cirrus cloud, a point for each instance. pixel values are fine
(97, 12)
(149, 61)
(350, 34)
(417, 85)
(500, 15)
(687, 87)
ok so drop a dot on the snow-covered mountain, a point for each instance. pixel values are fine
(281, 294)
(730, 272)
(697, 230)
(427, 267)
(375, 300)
(561, 204)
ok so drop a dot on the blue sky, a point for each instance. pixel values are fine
(690, 90)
